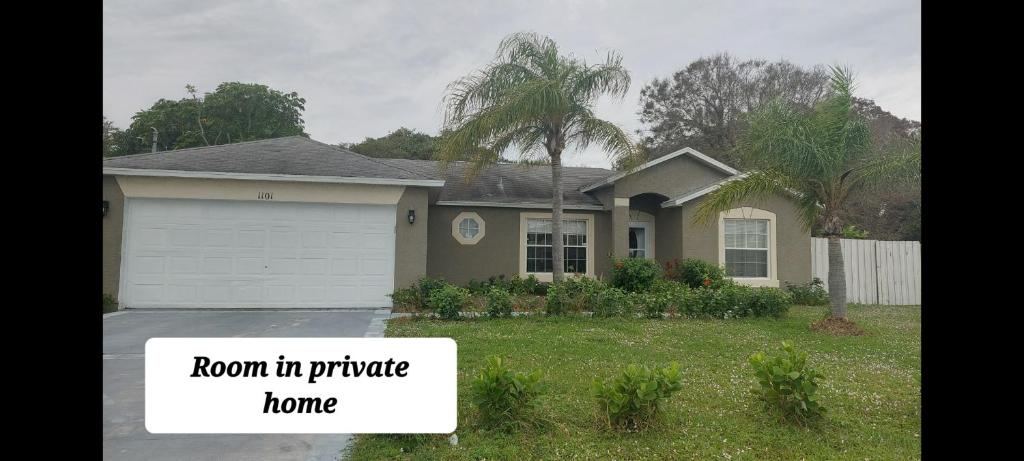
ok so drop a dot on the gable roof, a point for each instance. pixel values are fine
(684, 151)
(292, 158)
(508, 184)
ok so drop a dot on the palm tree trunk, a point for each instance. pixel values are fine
(557, 253)
(836, 277)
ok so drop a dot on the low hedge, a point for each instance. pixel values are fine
(721, 299)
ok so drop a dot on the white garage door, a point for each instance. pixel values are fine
(238, 254)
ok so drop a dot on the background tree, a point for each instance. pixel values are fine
(818, 159)
(234, 112)
(704, 104)
(701, 106)
(535, 101)
(890, 213)
(401, 143)
(113, 139)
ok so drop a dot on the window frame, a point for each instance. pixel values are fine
(523, 228)
(648, 228)
(481, 228)
(772, 280)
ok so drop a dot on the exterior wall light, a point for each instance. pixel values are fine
(412, 216)
(106, 207)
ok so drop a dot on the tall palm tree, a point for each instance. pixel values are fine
(535, 101)
(817, 158)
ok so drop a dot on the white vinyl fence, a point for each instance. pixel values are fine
(877, 271)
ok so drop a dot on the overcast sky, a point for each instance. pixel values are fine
(368, 67)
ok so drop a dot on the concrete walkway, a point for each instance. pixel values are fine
(124, 338)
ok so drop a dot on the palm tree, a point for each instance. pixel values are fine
(535, 101)
(817, 159)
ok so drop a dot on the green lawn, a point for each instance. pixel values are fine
(871, 388)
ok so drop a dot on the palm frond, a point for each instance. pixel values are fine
(753, 186)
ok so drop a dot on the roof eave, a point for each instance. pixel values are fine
(271, 177)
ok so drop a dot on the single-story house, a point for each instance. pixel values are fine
(292, 222)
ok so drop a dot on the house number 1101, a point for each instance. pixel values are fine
(265, 196)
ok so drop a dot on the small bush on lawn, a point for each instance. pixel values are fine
(695, 273)
(632, 400)
(767, 301)
(448, 300)
(499, 303)
(505, 399)
(811, 294)
(612, 302)
(634, 274)
(787, 383)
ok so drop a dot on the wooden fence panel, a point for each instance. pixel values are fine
(877, 272)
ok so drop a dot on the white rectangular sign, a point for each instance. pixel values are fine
(300, 385)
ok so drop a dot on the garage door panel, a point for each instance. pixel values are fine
(210, 253)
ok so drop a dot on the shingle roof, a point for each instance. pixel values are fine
(292, 155)
(507, 183)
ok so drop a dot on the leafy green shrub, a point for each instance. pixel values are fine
(695, 273)
(499, 303)
(556, 300)
(851, 231)
(574, 294)
(787, 383)
(109, 303)
(634, 274)
(731, 300)
(425, 286)
(417, 296)
(515, 285)
(406, 297)
(653, 304)
(632, 400)
(811, 294)
(611, 302)
(478, 287)
(766, 301)
(505, 399)
(448, 301)
(530, 285)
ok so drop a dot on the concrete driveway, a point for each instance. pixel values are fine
(124, 338)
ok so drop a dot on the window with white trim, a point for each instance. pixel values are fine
(538, 245)
(746, 247)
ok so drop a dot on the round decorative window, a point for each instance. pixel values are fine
(468, 228)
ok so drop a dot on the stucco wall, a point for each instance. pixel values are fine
(793, 242)
(668, 235)
(670, 178)
(498, 251)
(112, 228)
(411, 239)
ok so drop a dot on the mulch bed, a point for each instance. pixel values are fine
(837, 326)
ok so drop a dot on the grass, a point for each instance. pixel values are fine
(871, 388)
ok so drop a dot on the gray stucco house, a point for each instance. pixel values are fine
(292, 222)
